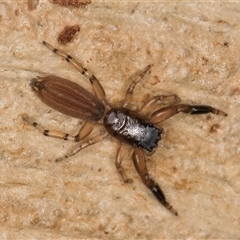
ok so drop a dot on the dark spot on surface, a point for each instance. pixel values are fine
(226, 44)
(73, 3)
(214, 128)
(67, 34)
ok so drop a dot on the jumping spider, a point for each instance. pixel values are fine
(131, 127)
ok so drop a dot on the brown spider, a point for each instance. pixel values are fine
(127, 126)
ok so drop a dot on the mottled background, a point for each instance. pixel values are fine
(195, 52)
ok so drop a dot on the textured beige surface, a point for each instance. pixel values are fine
(194, 49)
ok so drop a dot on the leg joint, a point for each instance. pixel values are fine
(46, 132)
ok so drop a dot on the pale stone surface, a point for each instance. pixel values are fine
(194, 49)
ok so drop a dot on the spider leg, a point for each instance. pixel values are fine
(85, 130)
(96, 139)
(131, 87)
(97, 87)
(141, 167)
(167, 112)
(153, 100)
(118, 162)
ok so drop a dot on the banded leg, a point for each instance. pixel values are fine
(85, 130)
(149, 104)
(167, 112)
(130, 89)
(97, 87)
(141, 167)
(90, 142)
(118, 162)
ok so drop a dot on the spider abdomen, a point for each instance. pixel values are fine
(68, 97)
(127, 126)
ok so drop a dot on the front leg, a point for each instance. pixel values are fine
(167, 112)
(141, 167)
